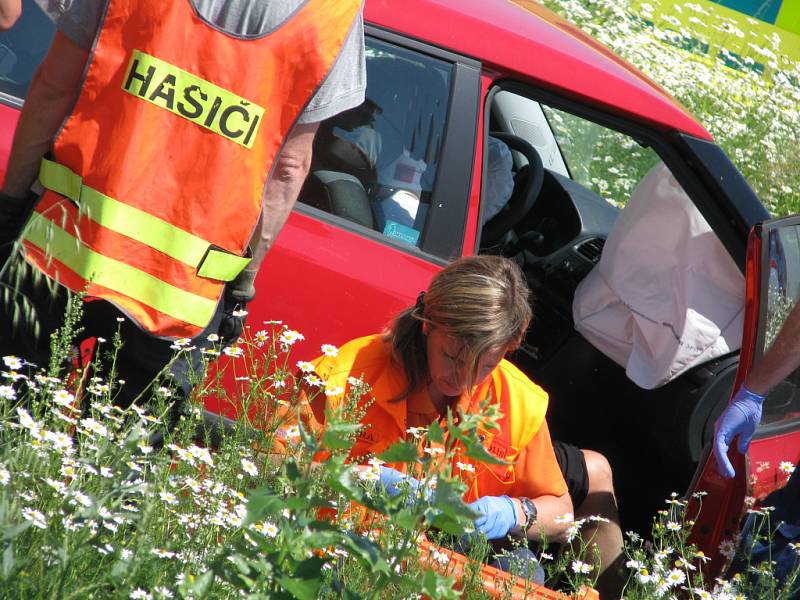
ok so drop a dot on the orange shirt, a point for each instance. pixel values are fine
(523, 439)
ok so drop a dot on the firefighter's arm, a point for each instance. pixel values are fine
(288, 175)
(50, 99)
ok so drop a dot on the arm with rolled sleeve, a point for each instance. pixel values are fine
(539, 477)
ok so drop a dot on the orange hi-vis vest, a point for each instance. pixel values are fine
(523, 438)
(155, 181)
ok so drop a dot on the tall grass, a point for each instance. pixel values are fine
(754, 116)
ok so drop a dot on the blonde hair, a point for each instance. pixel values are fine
(482, 300)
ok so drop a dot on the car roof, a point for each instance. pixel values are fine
(523, 37)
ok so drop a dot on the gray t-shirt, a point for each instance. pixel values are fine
(343, 89)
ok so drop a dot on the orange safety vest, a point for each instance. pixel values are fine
(156, 178)
(523, 438)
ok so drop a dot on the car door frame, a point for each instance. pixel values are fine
(720, 504)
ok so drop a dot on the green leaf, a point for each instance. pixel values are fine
(438, 586)
(291, 470)
(12, 532)
(339, 436)
(302, 589)
(435, 433)
(9, 561)
(263, 502)
(310, 568)
(200, 585)
(401, 452)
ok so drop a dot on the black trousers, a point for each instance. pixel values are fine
(140, 360)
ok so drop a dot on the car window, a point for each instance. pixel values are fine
(607, 162)
(22, 48)
(783, 292)
(376, 165)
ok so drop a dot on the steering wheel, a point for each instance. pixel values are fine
(521, 200)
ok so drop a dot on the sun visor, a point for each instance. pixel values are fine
(665, 296)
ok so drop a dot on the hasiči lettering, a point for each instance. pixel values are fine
(192, 98)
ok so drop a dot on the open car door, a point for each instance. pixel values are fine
(772, 289)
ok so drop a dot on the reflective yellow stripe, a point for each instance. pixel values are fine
(141, 226)
(193, 98)
(116, 275)
(223, 265)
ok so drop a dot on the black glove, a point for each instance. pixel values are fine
(238, 293)
(14, 212)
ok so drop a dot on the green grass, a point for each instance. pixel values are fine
(753, 116)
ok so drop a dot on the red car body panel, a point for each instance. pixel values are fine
(348, 286)
(526, 38)
(8, 123)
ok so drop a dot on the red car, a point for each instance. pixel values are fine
(405, 182)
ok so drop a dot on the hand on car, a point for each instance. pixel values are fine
(740, 418)
(238, 293)
(498, 516)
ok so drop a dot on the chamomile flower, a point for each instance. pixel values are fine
(249, 467)
(13, 362)
(261, 336)
(168, 498)
(334, 391)
(5, 475)
(675, 577)
(233, 351)
(213, 337)
(786, 467)
(305, 366)
(36, 518)
(727, 548)
(329, 350)
(161, 553)
(440, 557)
(290, 337)
(673, 526)
(580, 567)
(313, 380)
(140, 594)
(565, 518)
(63, 398)
(465, 467)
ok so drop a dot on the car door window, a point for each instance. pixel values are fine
(782, 274)
(376, 165)
(21, 50)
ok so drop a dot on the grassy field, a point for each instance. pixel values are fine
(753, 115)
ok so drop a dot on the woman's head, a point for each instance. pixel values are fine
(474, 311)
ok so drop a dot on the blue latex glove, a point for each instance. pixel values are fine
(395, 482)
(741, 417)
(498, 516)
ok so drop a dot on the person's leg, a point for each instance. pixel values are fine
(591, 488)
(145, 362)
(605, 535)
(31, 309)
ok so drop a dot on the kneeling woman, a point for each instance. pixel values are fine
(447, 352)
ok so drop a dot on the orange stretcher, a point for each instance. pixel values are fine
(497, 583)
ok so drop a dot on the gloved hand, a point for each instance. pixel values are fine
(238, 293)
(741, 417)
(395, 482)
(499, 516)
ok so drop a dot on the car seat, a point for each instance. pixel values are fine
(403, 113)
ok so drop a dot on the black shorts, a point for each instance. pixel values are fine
(573, 467)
